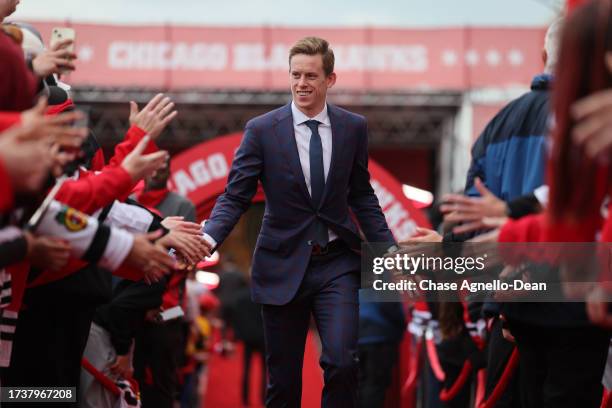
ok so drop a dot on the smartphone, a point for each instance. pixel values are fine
(60, 34)
(63, 33)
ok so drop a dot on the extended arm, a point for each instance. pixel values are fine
(241, 187)
(361, 197)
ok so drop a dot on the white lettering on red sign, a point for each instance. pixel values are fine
(382, 58)
(164, 55)
(252, 57)
(218, 166)
(200, 173)
(398, 219)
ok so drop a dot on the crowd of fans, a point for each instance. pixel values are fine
(94, 254)
(539, 174)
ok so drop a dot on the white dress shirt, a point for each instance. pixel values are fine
(302, 139)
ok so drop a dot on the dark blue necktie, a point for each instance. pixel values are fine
(317, 177)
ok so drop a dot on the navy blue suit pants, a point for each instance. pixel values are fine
(332, 300)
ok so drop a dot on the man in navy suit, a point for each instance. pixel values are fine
(312, 160)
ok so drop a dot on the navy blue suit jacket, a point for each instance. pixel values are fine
(268, 152)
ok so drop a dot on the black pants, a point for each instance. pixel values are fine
(499, 351)
(48, 347)
(561, 367)
(157, 356)
(453, 353)
(376, 362)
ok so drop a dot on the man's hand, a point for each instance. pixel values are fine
(423, 235)
(33, 143)
(60, 159)
(472, 211)
(155, 116)
(150, 258)
(178, 223)
(47, 252)
(122, 367)
(27, 161)
(490, 237)
(140, 166)
(193, 247)
(57, 128)
(57, 60)
(28, 117)
(593, 130)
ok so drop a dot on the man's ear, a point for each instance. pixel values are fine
(331, 79)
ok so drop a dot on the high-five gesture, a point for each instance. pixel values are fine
(140, 166)
(55, 129)
(473, 212)
(155, 116)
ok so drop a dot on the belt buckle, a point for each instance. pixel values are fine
(319, 250)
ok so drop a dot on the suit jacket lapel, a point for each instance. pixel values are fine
(338, 126)
(286, 140)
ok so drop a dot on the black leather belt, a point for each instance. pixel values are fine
(335, 246)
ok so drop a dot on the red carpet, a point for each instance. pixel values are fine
(225, 374)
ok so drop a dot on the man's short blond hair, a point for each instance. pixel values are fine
(314, 46)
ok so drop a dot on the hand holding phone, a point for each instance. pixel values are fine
(62, 42)
(63, 35)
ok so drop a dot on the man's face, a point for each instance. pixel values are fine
(309, 83)
(7, 7)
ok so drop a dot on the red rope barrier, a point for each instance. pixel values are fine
(415, 369)
(481, 380)
(434, 361)
(450, 394)
(501, 386)
(104, 380)
(606, 401)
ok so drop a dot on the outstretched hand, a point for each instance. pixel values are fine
(192, 246)
(593, 130)
(150, 258)
(474, 213)
(155, 116)
(48, 252)
(139, 165)
(177, 222)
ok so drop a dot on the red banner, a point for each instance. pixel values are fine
(255, 58)
(200, 173)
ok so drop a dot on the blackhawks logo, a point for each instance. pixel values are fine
(72, 219)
